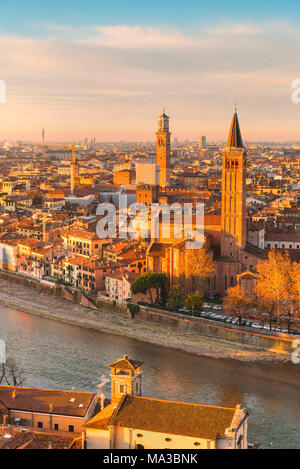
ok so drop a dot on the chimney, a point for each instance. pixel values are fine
(14, 394)
(125, 357)
(49, 444)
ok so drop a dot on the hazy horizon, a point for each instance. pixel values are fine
(107, 71)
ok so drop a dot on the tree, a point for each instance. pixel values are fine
(176, 297)
(267, 307)
(10, 375)
(199, 266)
(149, 281)
(194, 301)
(133, 309)
(278, 282)
(290, 305)
(237, 303)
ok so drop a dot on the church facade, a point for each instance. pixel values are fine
(225, 233)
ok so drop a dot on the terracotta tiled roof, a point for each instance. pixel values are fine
(36, 440)
(41, 400)
(281, 236)
(255, 251)
(101, 420)
(177, 418)
(126, 363)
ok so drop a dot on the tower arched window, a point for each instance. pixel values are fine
(231, 281)
(225, 282)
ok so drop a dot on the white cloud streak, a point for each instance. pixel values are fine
(133, 69)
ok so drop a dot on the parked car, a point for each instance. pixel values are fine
(252, 316)
(229, 319)
(210, 314)
(295, 331)
(223, 317)
(213, 316)
(268, 328)
(235, 321)
(256, 325)
(184, 310)
(206, 305)
(248, 323)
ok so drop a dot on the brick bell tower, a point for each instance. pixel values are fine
(126, 378)
(234, 231)
(163, 149)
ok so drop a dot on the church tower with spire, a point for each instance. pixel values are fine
(163, 149)
(234, 228)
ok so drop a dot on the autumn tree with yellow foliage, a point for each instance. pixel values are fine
(278, 285)
(199, 267)
(237, 303)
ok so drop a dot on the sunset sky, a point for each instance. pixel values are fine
(107, 69)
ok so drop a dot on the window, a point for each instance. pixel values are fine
(231, 281)
(71, 428)
(122, 388)
(168, 439)
(139, 435)
(197, 443)
(40, 424)
(56, 426)
(225, 282)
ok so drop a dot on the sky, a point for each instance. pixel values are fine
(106, 69)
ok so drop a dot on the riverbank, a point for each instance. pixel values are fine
(29, 300)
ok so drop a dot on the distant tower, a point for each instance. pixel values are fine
(234, 231)
(43, 135)
(126, 378)
(74, 171)
(163, 149)
(202, 142)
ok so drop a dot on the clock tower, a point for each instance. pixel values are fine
(163, 149)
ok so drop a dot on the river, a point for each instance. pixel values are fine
(62, 356)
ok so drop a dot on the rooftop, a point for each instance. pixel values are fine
(46, 400)
(178, 418)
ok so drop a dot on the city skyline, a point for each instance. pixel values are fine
(105, 73)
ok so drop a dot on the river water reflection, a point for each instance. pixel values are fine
(56, 355)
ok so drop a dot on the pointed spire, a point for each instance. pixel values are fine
(235, 137)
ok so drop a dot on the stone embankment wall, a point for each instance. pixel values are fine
(272, 341)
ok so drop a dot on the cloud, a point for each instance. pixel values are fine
(123, 74)
(137, 37)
